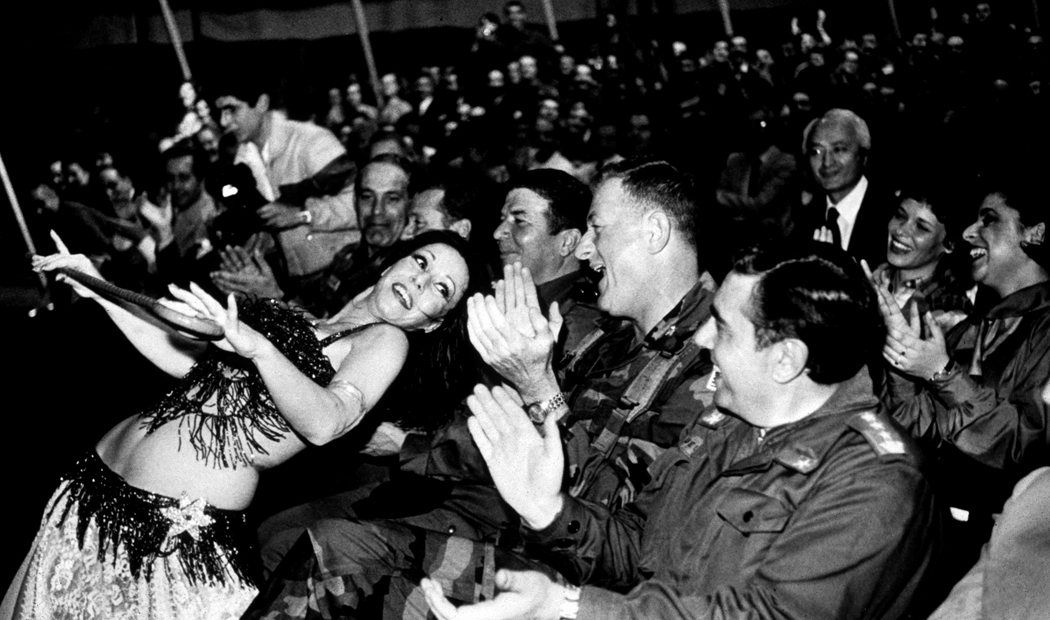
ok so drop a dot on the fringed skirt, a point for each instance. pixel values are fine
(108, 550)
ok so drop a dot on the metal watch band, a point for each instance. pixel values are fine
(570, 605)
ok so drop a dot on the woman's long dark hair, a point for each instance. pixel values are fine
(442, 366)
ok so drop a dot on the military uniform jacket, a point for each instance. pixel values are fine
(827, 517)
(471, 506)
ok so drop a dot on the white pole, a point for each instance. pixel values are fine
(552, 23)
(176, 40)
(723, 7)
(366, 45)
(20, 218)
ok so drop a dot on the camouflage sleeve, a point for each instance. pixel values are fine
(448, 454)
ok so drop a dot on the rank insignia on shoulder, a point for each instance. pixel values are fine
(801, 459)
(880, 435)
(712, 418)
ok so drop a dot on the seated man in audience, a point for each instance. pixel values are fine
(848, 211)
(809, 504)
(633, 384)
(182, 229)
(383, 192)
(431, 209)
(282, 153)
(973, 394)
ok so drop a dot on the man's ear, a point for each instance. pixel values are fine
(568, 239)
(1034, 235)
(658, 229)
(433, 325)
(790, 360)
(461, 227)
(262, 103)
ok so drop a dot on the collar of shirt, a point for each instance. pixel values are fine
(1034, 298)
(848, 209)
(562, 288)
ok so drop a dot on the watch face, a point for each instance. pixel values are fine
(535, 411)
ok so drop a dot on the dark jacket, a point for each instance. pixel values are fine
(870, 231)
(987, 422)
(827, 517)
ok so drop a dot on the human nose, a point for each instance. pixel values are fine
(705, 336)
(501, 231)
(585, 248)
(970, 234)
(421, 280)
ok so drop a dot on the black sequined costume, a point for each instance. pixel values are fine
(109, 550)
(243, 407)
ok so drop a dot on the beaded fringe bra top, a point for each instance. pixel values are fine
(223, 402)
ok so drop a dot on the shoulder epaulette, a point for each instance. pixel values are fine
(880, 434)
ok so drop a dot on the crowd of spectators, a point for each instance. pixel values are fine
(868, 143)
(969, 88)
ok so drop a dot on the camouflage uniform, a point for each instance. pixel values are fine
(458, 530)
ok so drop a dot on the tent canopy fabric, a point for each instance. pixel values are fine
(119, 22)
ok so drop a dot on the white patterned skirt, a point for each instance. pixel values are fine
(109, 550)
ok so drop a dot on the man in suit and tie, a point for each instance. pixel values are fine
(850, 212)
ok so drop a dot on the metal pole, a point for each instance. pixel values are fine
(552, 23)
(366, 45)
(893, 16)
(176, 40)
(19, 217)
(723, 7)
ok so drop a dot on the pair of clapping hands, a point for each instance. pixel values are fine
(244, 271)
(511, 334)
(906, 348)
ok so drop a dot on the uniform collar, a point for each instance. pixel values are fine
(679, 325)
(802, 445)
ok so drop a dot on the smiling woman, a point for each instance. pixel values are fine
(974, 393)
(921, 267)
(150, 523)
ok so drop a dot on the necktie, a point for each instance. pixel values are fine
(832, 222)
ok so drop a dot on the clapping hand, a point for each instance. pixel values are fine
(824, 235)
(280, 216)
(906, 349)
(523, 595)
(246, 273)
(512, 336)
(527, 467)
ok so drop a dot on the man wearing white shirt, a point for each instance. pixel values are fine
(281, 153)
(848, 212)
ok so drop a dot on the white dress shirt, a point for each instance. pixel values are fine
(848, 209)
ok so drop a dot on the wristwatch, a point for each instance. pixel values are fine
(946, 372)
(570, 605)
(538, 412)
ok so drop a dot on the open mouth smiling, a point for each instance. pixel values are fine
(402, 295)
